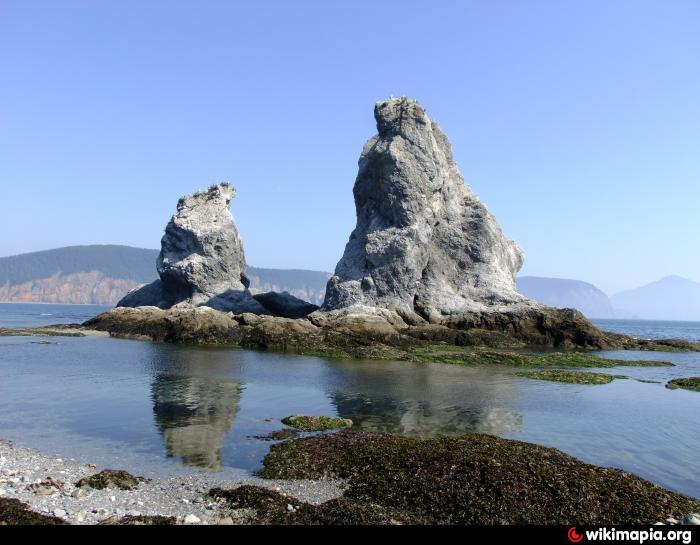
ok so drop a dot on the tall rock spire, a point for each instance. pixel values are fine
(424, 243)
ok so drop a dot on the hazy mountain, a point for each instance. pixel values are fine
(307, 285)
(671, 298)
(99, 274)
(564, 293)
(103, 274)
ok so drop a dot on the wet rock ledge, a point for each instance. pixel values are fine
(373, 333)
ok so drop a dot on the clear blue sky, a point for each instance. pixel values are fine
(577, 123)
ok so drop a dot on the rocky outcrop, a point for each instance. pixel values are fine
(285, 304)
(360, 333)
(424, 245)
(201, 261)
(426, 263)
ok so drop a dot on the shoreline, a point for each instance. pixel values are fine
(24, 469)
(374, 479)
(186, 499)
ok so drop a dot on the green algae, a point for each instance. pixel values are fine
(690, 383)
(316, 423)
(329, 354)
(571, 377)
(471, 356)
(14, 512)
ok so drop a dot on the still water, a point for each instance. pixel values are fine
(157, 409)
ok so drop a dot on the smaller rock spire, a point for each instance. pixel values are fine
(201, 260)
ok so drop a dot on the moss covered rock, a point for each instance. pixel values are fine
(316, 423)
(572, 377)
(473, 479)
(111, 478)
(15, 512)
(690, 383)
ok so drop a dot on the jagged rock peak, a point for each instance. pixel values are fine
(424, 244)
(219, 195)
(201, 261)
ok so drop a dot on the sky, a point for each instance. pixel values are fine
(576, 123)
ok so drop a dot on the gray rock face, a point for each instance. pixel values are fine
(424, 245)
(201, 261)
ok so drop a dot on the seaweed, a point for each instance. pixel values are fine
(111, 478)
(14, 512)
(470, 479)
(572, 377)
(316, 423)
(690, 383)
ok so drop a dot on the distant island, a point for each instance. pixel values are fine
(103, 274)
(562, 292)
(670, 298)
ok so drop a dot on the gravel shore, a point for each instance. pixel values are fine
(47, 485)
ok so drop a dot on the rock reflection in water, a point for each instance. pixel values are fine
(194, 414)
(430, 400)
(195, 403)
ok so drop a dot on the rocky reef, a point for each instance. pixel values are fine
(467, 479)
(359, 335)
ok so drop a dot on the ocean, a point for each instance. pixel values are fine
(160, 409)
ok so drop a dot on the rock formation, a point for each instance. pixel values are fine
(427, 263)
(201, 261)
(424, 245)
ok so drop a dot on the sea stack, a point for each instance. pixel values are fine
(424, 246)
(201, 261)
